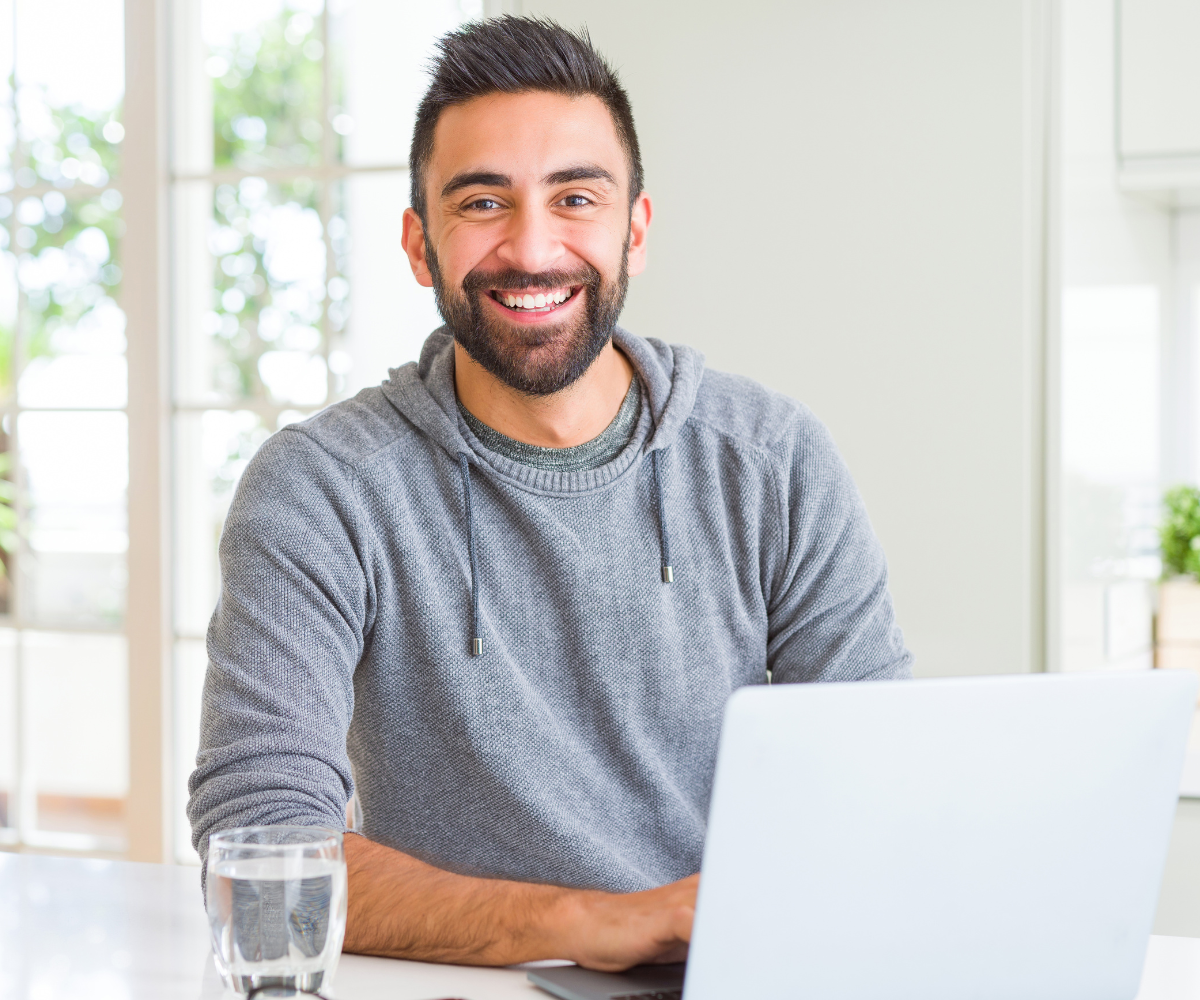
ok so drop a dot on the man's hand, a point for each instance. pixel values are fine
(612, 931)
(404, 908)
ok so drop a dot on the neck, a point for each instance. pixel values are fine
(573, 416)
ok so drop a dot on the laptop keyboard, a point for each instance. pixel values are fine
(651, 995)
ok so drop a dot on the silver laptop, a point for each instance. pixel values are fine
(990, 838)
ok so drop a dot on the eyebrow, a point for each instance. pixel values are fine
(486, 178)
(583, 172)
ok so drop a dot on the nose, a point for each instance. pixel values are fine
(530, 243)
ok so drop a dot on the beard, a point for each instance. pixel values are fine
(535, 360)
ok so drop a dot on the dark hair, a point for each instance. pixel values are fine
(514, 55)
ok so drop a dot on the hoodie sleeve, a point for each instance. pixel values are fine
(283, 644)
(830, 615)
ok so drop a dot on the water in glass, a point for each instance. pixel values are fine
(277, 906)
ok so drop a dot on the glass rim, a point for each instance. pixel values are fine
(318, 837)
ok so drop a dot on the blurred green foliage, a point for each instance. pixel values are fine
(64, 244)
(1179, 534)
(267, 102)
(63, 304)
(252, 307)
(61, 146)
(8, 499)
(268, 109)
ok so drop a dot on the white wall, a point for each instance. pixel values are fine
(847, 208)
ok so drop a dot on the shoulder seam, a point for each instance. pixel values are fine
(352, 465)
(768, 450)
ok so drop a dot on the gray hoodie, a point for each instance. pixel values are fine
(369, 545)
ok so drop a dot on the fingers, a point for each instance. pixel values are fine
(652, 926)
(685, 917)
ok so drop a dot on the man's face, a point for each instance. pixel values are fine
(529, 241)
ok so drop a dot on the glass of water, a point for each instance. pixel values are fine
(276, 900)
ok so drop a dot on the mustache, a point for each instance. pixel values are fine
(511, 279)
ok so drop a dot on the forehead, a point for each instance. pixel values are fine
(525, 136)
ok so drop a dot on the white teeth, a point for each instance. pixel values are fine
(539, 301)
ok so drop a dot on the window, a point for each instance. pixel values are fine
(64, 465)
(1111, 481)
(1129, 364)
(291, 288)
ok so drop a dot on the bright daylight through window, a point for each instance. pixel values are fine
(289, 130)
(64, 471)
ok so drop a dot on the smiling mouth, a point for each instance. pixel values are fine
(540, 300)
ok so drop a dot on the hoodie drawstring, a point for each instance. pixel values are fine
(476, 639)
(668, 573)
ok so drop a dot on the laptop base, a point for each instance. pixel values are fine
(642, 982)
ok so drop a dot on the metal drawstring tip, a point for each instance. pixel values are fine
(668, 574)
(476, 647)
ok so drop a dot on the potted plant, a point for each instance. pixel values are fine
(1177, 632)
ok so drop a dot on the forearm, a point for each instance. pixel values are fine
(403, 908)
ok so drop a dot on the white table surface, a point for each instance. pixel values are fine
(74, 929)
(110, 930)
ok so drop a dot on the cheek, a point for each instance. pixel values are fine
(599, 246)
(465, 248)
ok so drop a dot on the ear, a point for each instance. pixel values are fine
(639, 226)
(413, 237)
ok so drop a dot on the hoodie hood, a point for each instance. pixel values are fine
(424, 393)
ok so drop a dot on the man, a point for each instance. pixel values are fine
(506, 595)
